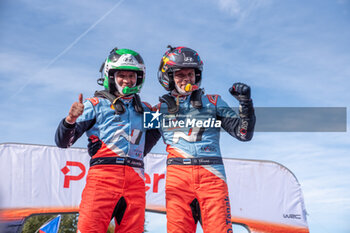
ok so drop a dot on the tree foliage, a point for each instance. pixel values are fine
(68, 223)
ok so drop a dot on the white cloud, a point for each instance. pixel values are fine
(297, 55)
(241, 9)
(323, 197)
(230, 6)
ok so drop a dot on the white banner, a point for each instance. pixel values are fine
(264, 196)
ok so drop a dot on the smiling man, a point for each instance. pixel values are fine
(182, 78)
(196, 188)
(112, 120)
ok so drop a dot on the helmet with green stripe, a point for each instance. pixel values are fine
(122, 59)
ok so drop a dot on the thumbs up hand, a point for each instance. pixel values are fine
(76, 110)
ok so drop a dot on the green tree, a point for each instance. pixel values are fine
(68, 223)
(33, 223)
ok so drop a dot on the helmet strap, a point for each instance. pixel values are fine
(119, 88)
(136, 102)
(169, 100)
(117, 104)
(196, 98)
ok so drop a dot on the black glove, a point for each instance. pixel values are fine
(94, 145)
(240, 91)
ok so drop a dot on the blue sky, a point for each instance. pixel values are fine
(292, 54)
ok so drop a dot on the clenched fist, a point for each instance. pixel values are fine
(240, 91)
(75, 111)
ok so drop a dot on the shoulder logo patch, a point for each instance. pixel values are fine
(94, 101)
(213, 99)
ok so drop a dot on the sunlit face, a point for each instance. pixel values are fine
(184, 77)
(125, 78)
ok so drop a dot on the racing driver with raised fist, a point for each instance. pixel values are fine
(196, 188)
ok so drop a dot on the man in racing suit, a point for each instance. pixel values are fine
(112, 121)
(196, 188)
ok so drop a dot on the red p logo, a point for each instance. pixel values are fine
(65, 170)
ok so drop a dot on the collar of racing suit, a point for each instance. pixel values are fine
(126, 99)
(173, 100)
(118, 102)
(179, 97)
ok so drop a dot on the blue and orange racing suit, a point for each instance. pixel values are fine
(115, 186)
(196, 188)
